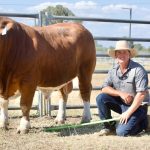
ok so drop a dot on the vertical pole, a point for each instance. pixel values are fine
(44, 104)
(130, 22)
(130, 13)
(49, 106)
(40, 19)
(131, 42)
(40, 101)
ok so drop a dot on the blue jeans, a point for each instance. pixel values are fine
(136, 123)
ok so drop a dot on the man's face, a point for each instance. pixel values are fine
(122, 56)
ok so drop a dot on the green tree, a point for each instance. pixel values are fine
(58, 10)
(139, 47)
(148, 49)
(111, 47)
(100, 47)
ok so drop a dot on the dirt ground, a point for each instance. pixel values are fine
(85, 138)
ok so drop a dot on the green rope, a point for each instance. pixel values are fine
(59, 128)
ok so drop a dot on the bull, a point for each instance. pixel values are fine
(46, 57)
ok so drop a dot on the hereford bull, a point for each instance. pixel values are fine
(44, 57)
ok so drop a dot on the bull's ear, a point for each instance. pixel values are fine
(6, 28)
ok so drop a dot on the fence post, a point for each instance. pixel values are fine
(40, 19)
(40, 103)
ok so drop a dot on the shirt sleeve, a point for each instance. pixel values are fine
(108, 80)
(141, 80)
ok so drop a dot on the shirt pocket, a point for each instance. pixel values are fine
(129, 80)
(129, 84)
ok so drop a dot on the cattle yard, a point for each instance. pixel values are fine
(83, 138)
(71, 139)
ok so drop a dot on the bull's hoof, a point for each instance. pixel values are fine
(4, 126)
(22, 131)
(59, 121)
(85, 120)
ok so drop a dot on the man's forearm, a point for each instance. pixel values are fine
(136, 102)
(111, 91)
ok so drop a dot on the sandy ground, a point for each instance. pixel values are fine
(85, 138)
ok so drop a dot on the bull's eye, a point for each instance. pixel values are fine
(2, 26)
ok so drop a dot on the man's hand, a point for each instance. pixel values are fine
(124, 117)
(126, 97)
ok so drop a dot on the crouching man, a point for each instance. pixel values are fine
(124, 90)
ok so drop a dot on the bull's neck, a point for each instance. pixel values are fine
(5, 64)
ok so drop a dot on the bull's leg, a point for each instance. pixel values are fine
(61, 115)
(85, 91)
(4, 113)
(27, 94)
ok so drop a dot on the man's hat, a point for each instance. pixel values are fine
(122, 45)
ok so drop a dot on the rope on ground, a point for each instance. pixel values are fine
(73, 126)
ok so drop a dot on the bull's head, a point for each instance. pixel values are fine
(4, 31)
(5, 26)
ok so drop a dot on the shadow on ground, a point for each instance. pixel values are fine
(77, 131)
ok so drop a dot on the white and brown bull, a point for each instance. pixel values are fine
(44, 57)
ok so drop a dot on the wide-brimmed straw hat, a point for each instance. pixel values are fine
(122, 45)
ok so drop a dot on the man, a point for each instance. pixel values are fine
(124, 90)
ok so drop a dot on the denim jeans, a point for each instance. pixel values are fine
(137, 121)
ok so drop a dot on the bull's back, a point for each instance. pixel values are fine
(67, 35)
(71, 45)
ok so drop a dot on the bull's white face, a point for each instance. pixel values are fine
(4, 27)
(4, 31)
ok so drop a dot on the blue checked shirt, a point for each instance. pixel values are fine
(133, 81)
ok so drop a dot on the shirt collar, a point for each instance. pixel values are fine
(130, 65)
